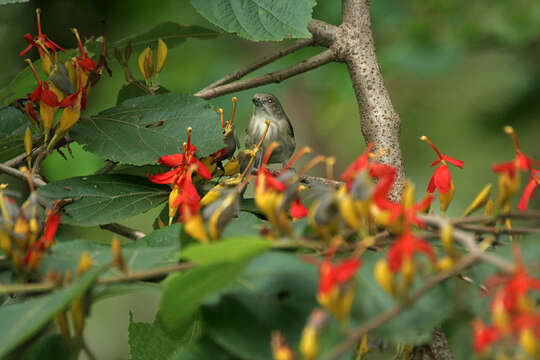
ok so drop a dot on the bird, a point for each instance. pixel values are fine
(267, 107)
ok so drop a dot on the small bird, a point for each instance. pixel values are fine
(267, 107)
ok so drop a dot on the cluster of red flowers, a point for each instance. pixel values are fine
(515, 313)
(67, 86)
(184, 197)
(509, 176)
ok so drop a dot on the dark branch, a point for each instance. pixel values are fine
(240, 73)
(123, 231)
(274, 77)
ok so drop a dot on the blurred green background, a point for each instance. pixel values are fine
(457, 71)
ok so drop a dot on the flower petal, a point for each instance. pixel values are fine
(442, 178)
(298, 210)
(164, 178)
(527, 194)
(173, 160)
(453, 161)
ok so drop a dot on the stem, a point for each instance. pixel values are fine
(38, 182)
(275, 77)
(240, 73)
(124, 231)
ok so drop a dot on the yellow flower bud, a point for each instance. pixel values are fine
(408, 196)
(146, 64)
(445, 263)
(212, 195)
(46, 63)
(85, 263)
(489, 210)
(62, 324)
(309, 343)
(194, 226)
(447, 238)
(118, 257)
(162, 52)
(5, 242)
(77, 315)
(46, 113)
(28, 145)
(70, 116)
(528, 342)
(384, 276)
(447, 197)
(173, 195)
(480, 200)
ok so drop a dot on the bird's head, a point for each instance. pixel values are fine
(266, 104)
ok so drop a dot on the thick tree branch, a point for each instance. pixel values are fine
(323, 34)
(240, 73)
(381, 124)
(274, 77)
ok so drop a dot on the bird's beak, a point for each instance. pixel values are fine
(257, 102)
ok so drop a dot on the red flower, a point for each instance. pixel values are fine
(441, 179)
(298, 210)
(41, 93)
(83, 60)
(360, 164)
(331, 275)
(405, 247)
(484, 335)
(521, 161)
(188, 200)
(180, 163)
(51, 226)
(534, 183)
(43, 39)
(515, 286)
(265, 177)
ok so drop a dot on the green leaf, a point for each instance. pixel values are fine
(129, 91)
(156, 249)
(102, 199)
(225, 250)
(172, 33)
(188, 291)
(7, 2)
(275, 292)
(142, 129)
(148, 342)
(259, 20)
(50, 347)
(203, 349)
(13, 124)
(25, 82)
(21, 321)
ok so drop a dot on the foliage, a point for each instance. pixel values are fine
(250, 278)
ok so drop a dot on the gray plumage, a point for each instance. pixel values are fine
(267, 107)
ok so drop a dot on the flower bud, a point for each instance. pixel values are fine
(280, 348)
(447, 197)
(528, 342)
(384, 276)
(118, 257)
(194, 226)
(28, 145)
(146, 64)
(85, 263)
(62, 324)
(480, 200)
(162, 52)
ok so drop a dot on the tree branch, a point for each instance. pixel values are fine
(240, 73)
(323, 34)
(381, 124)
(19, 174)
(123, 231)
(132, 276)
(274, 77)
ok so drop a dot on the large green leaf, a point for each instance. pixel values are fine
(172, 33)
(276, 291)
(21, 321)
(147, 341)
(101, 199)
(49, 347)
(130, 91)
(142, 129)
(7, 2)
(159, 248)
(225, 250)
(13, 124)
(25, 82)
(259, 19)
(187, 292)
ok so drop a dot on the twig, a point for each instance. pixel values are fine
(21, 157)
(378, 320)
(123, 231)
(39, 159)
(86, 349)
(274, 77)
(132, 276)
(240, 73)
(497, 231)
(19, 174)
(110, 165)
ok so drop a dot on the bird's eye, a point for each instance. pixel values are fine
(269, 101)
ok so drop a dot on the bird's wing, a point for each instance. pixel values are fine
(291, 131)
